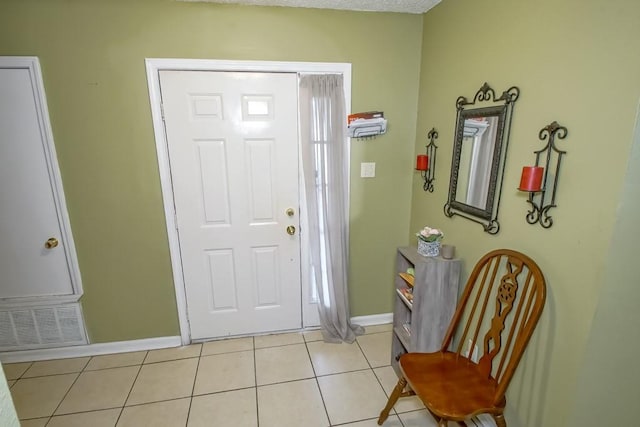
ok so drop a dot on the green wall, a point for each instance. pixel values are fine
(92, 55)
(575, 62)
(609, 361)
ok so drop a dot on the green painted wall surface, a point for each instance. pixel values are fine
(92, 55)
(575, 62)
(610, 358)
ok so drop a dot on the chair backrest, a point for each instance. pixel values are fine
(498, 311)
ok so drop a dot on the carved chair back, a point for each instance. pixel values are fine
(497, 313)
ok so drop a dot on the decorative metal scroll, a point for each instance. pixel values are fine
(539, 210)
(430, 174)
(486, 105)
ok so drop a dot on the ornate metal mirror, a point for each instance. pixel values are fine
(479, 153)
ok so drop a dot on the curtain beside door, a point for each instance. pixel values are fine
(325, 169)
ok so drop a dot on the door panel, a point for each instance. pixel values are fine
(28, 212)
(233, 148)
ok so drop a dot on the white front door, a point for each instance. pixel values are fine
(35, 250)
(233, 149)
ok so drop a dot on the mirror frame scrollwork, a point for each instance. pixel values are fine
(484, 104)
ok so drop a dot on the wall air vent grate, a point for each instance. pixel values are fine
(27, 328)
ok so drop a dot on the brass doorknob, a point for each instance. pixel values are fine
(291, 230)
(51, 243)
(290, 212)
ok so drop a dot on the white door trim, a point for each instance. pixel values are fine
(32, 64)
(153, 67)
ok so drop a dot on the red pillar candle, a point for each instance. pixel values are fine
(531, 179)
(422, 162)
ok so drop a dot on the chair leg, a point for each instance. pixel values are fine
(500, 421)
(443, 423)
(402, 383)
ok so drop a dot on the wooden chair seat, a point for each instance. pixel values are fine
(449, 385)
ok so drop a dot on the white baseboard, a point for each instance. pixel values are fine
(136, 345)
(373, 319)
(90, 349)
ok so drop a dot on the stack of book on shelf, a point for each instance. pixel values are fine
(407, 327)
(408, 278)
(369, 123)
(407, 293)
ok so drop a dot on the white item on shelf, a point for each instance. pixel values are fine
(360, 128)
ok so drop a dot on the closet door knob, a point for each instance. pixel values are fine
(291, 230)
(51, 243)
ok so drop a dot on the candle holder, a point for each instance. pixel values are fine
(426, 163)
(541, 180)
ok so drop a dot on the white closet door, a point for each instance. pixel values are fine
(34, 248)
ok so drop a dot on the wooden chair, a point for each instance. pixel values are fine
(498, 311)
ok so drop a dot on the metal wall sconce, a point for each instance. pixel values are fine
(542, 179)
(426, 163)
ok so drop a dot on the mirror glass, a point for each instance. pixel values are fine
(478, 157)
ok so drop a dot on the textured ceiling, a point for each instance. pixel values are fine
(403, 6)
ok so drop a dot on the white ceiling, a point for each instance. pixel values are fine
(402, 6)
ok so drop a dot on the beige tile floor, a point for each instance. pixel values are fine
(284, 380)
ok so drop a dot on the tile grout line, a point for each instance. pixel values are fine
(24, 372)
(64, 397)
(255, 380)
(364, 354)
(68, 390)
(131, 388)
(374, 373)
(386, 394)
(315, 376)
(193, 386)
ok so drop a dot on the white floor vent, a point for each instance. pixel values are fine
(26, 328)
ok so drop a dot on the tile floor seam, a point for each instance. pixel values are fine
(217, 354)
(78, 412)
(23, 372)
(285, 382)
(352, 422)
(255, 380)
(364, 354)
(193, 386)
(65, 395)
(144, 359)
(119, 416)
(171, 360)
(344, 372)
(214, 392)
(118, 366)
(114, 367)
(58, 373)
(44, 376)
(86, 364)
(315, 376)
(385, 393)
(133, 383)
(280, 345)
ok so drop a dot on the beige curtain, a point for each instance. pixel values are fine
(325, 166)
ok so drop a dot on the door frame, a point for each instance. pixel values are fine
(153, 68)
(32, 64)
